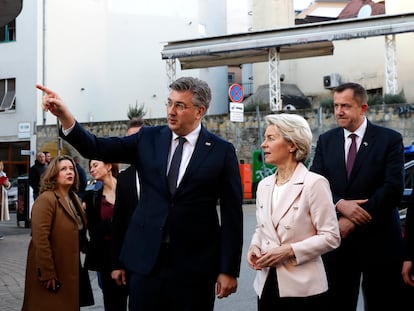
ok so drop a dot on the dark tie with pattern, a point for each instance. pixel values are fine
(351, 154)
(175, 165)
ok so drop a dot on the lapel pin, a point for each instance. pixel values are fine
(365, 143)
(208, 143)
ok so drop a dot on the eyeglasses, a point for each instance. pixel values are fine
(178, 106)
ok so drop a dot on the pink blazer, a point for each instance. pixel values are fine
(306, 219)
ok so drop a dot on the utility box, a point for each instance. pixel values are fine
(23, 201)
(246, 177)
(259, 170)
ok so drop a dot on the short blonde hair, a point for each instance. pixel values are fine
(295, 129)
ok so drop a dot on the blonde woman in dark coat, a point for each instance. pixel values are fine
(53, 256)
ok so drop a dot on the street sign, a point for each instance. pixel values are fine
(24, 152)
(236, 112)
(23, 130)
(236, 93)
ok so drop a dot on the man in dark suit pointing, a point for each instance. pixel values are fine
(366, 201)
(180, 248)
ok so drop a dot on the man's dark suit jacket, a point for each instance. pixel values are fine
(203, 243)
(126, 200)
(377, 175)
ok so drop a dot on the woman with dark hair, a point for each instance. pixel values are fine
(99, 210)
(58, 229)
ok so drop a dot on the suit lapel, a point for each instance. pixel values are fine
(204, 145)
(338, 151)
(367, 143)
(66, 206)
(293, 189)
(162, 142)
(268, 188)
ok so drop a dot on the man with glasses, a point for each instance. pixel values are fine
(179, 251)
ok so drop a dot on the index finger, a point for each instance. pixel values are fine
(46, 90)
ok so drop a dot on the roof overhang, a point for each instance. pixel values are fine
(257, 55)
(307, 40)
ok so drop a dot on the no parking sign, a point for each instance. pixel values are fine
(236, 93)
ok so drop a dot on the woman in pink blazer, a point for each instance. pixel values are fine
(296, 222)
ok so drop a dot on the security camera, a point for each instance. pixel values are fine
(282, 77)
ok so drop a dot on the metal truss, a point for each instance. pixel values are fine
(391, 81)
(274, 81)
(171, 65)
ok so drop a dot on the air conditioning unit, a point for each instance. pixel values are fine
(331, 81)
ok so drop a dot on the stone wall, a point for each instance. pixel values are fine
(245, 135)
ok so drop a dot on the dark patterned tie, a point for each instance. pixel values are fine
(175, 165)
(351, 154)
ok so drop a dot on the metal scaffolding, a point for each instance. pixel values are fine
(391, 81)
(171, 69)
(274, 80)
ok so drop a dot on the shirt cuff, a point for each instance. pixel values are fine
(68, 130)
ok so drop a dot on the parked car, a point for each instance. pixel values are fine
(408, 189)
(12, 195)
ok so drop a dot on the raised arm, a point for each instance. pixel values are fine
(53, 103)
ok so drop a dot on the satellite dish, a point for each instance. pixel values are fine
(364, 11)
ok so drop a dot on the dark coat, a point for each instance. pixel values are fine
(205, 239)
(125, 204)
(35, 172)
(99, 252)
(82, 180)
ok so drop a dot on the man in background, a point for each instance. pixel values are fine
(48, 157)
(35, 172)
(82, 177)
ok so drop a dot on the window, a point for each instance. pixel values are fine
(231, 77)
(8, 32)
(15, 164)
(7, 94)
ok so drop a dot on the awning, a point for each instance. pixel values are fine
(235, 58)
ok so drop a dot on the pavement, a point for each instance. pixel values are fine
(13, 253)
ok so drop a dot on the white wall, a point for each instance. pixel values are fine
(104, 56)
(19, 61)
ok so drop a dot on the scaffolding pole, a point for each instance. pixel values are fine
(391, 81)
(275, 96)
(171, 69)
